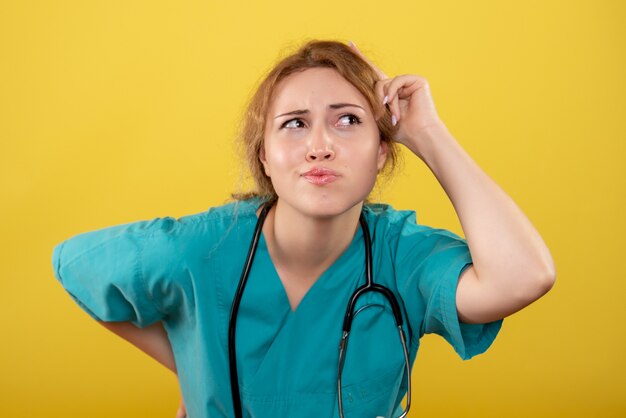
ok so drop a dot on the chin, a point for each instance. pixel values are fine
(325, 207)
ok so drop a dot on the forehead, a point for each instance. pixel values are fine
(315, 86)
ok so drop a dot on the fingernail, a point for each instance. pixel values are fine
(394, 120)
(385, 100)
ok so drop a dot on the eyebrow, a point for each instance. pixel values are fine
(331, 106)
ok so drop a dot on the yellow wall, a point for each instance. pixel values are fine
(116, 111)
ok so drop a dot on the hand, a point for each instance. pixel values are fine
(182, 409)
(410, 102)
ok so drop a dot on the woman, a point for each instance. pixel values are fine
(318, 131)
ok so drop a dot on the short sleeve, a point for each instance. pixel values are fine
(429, 263)
(120, 273)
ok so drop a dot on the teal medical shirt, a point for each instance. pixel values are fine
(185, 271)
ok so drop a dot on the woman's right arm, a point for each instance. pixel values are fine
(116, 275)
(152, 340)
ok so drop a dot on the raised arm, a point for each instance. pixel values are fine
(512, 266)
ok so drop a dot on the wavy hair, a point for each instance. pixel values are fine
(313, 54)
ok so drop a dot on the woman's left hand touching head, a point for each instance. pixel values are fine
(410, 102)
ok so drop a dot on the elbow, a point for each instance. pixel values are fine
(547, 283)
(544, 277)
(541, 284)
(548, 278)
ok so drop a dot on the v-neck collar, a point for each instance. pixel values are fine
(275, 280)
(327, 275)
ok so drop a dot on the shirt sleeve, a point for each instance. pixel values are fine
(429, 263)
(121, 273)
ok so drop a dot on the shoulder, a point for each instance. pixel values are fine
(384, 218)
(400, 228)
(202, 231)
(215, 218)
(166, 231)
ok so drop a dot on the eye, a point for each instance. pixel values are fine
(293, 124)
(349, 119)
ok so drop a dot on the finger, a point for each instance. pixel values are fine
(402, 87)
(381, 90)
(182, 410)
(394, 107)
(405, 84)
(378, 71)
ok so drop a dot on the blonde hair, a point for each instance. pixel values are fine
(313, 54)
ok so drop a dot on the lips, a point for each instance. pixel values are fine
(320, 176)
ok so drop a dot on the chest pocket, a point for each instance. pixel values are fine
(374, 364)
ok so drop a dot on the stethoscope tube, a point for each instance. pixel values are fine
(370, 286)
(232, 324)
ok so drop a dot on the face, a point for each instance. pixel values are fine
(322, 147)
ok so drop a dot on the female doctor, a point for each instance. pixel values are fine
(253, 304)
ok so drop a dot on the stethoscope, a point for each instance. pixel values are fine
(370, 286)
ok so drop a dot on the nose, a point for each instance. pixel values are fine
(320, 146)
(320, 154)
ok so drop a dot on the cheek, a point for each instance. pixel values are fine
(363, 151)
(280, 154)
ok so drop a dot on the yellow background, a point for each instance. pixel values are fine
(116, 111)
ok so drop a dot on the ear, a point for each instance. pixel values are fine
(263, 160)
(383, 150)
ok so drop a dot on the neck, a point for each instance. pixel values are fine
(303, 243)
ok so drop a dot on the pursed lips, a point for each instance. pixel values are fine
(320, 176)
